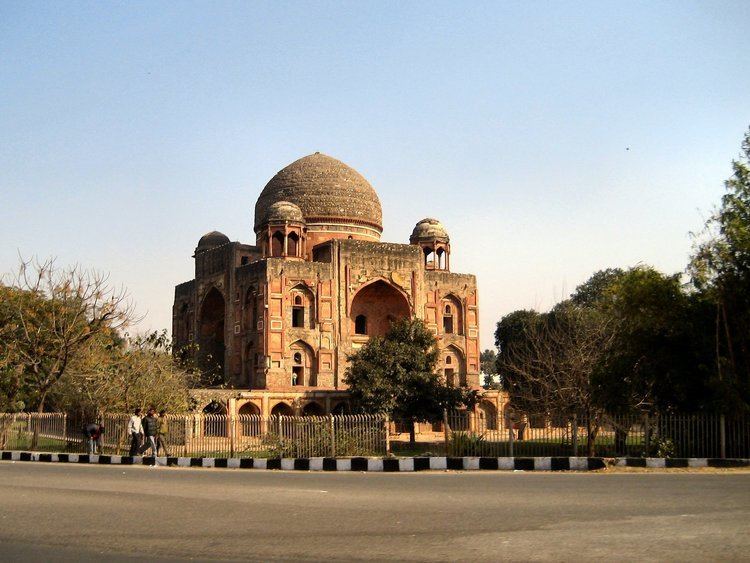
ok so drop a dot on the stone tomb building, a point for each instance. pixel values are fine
(279, 317)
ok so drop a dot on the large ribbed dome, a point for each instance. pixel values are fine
(328, 192)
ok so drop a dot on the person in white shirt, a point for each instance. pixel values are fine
(135, 430)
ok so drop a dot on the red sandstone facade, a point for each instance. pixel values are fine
(279, 317)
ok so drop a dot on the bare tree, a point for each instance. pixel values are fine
(55, 313)
(137, 371)
(552, 367)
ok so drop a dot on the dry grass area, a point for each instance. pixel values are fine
(613, 469)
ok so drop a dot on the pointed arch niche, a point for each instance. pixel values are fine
(452, 312)
(454, 366)
(303, 307)
(302, 371)
(212, 330)
(375, 307)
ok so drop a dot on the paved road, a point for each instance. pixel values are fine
(62, 512)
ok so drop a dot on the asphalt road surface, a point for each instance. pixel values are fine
(63, 512)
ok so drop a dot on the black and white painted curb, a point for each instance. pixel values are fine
(388, 464)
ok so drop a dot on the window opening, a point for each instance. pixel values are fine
(360, 325)
(277, 244)
(449, 377)
(291, 244)
(298, 316)
(298, 375)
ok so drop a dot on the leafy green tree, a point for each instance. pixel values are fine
(53, 314)
(396, 375)
(13, 397)
(61, 347)
(661, 358)
(488, 363)
(511, 328)
(121, 373)
(592, 291)
(720, 268)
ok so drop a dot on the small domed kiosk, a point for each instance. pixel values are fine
(430, 235)
(211, 240)
(282, 231)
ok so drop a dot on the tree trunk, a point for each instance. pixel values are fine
(39, 410)
(730, 345)
(412, 436)
(592, 427)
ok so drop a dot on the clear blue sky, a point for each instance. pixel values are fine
(129, 129)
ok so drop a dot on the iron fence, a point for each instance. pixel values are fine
(206, 435)
(461, 433)
(641, 435)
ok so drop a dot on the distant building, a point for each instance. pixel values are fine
(280, 316)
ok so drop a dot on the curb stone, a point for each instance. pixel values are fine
(383, 464)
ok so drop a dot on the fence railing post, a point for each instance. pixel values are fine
(332, 423)
(232, 432)
(387, 429)
(646, 434)
(510, 438)
(575, 435)
(446, 431)
(722, 436)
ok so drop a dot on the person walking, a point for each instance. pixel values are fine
(163, 432)
(135, 431)
(150, 429)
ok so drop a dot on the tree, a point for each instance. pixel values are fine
(51, 315)
(488, 367)
(661, 358)
(121, 373)
(592, 291)
(396, 375)
(551, 363)
(720, 269)
(12, 393)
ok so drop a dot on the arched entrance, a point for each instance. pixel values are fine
(313, 409)
(250, 422)
(341, 408)
(214, 419)
(375, 307)
(211, 343)
(487, 416)
(282, 409)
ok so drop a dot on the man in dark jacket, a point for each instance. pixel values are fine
(93, 433)
(150, 430)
